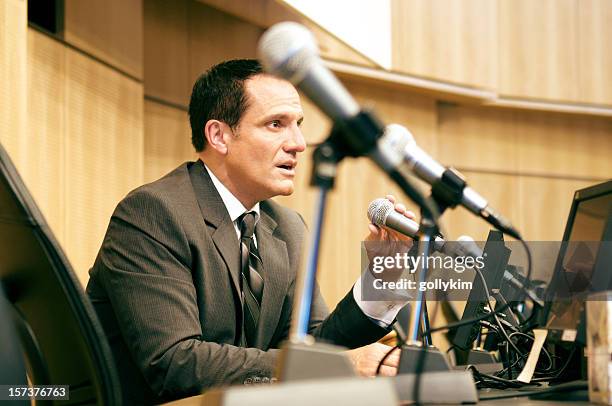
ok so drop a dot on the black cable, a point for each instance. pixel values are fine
(491, 307)
(384, 358)
(560, 371)
(452, 326)
(550, 361)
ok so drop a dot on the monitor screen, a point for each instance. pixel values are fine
(575, 270)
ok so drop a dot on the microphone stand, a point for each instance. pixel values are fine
(418, 356)
(303, 358)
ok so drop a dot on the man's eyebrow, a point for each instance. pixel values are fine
(281, 116)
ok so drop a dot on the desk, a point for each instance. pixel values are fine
(514, 401)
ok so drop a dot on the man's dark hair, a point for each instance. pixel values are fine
(219, 94)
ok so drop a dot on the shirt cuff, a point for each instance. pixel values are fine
(380, 311)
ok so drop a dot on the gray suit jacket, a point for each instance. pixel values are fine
(165, 285)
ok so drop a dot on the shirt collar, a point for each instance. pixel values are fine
(231, 202)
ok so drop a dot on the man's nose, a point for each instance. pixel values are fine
(297, 142)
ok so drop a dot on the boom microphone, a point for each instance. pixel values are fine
(429, 170)
(289, 50)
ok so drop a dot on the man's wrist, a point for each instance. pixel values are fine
(382, 313)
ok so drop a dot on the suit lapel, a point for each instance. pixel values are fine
(219, 224)
(273, 252)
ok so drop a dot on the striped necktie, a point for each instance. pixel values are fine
(252, 282)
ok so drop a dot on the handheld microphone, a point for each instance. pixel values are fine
(382, 213)
(429, 170)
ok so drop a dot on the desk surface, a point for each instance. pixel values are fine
(522, 401)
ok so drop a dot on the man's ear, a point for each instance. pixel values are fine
(214, 132)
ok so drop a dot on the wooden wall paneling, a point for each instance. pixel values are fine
(13, 74)
(595, 51)
(477, 138)
(108, 29)
(167, 140)
(215, 36)
(545, 204)
(166, 50)
(265, 13)
(451, 41)
(415, 112)
(44, 173)
(538, 49)
(564, 145)
(104, 152)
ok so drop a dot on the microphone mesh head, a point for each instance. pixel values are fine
(468, 246)
(379, 210)
(287, 49)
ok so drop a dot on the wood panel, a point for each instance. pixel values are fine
(167, 140)
(477, 138)
(13, 76)
(595, 51)
(215, 36)
(564, 145)
(166, 50)
(108, 29)
(538, 49)
(104, 152)
(448, 40)
(415, 112)
(545, 204)
(44, 173)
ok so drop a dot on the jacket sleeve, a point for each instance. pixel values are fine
(144, 266)
(346, 326)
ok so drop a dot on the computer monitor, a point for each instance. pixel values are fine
(584, 264)
(496, 256)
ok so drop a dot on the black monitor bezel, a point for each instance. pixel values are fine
(580, 196)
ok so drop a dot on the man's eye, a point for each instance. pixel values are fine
(275, 123)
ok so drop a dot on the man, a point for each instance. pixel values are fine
(194, 282)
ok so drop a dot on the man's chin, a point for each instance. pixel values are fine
(286, 189)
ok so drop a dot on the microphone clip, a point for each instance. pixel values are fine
(351, 137)
(448, 190)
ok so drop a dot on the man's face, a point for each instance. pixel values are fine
(262, 153)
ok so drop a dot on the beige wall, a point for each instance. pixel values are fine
(553, 50)
(105, 116)
(84, 143)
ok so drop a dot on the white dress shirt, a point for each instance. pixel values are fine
(382, 311)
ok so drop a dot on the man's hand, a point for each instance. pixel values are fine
(385, 234)
(365, 359)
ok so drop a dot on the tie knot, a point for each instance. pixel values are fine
(246, 223)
